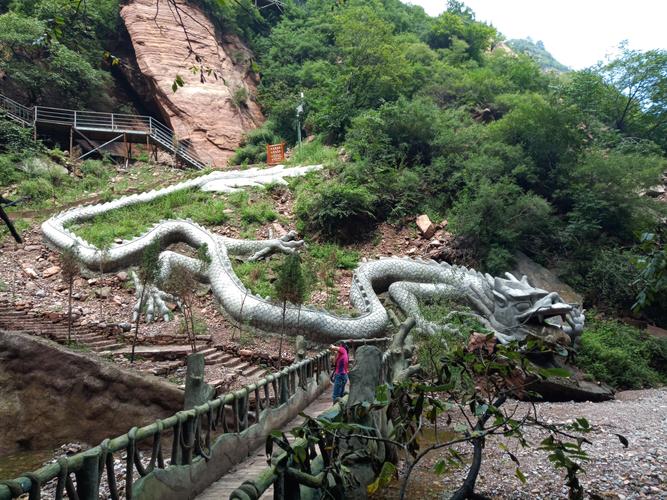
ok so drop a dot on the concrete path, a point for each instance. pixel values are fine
(256, 463)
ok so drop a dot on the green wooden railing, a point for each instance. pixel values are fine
(192, 434)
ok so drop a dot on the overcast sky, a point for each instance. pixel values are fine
(578, 33)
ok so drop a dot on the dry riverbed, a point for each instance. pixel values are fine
(613, 472)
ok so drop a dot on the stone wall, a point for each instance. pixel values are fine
(50, 395)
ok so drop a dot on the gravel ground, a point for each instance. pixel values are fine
(613, 472)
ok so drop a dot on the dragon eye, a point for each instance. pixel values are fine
(522, 306)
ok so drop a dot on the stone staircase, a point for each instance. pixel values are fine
(214, 356)
(54, 327)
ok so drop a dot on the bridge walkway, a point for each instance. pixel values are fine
(256, 463)
(101, 129)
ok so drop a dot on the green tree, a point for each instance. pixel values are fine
(148, 273)
(290, 287)
(457, 25)
(641, 81)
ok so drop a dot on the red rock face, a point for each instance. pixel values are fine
(203, 112)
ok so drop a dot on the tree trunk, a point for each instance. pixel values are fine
(467, 490)
(241, 315)
(282, 334)
(69, 312)
(192, 329)
(136, 325)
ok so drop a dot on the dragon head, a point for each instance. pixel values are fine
(521, 310)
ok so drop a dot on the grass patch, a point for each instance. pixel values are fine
(320, 263)
(621, 355)
(253, 207)
(128, 222)
(313, 153)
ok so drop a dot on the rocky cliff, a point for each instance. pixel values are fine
(50, 395)
(172, 38)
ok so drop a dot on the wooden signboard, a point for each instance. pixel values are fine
(275, 153)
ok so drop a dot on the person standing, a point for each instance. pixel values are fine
(341, 369)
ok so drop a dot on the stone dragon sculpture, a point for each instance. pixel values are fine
(509, 307)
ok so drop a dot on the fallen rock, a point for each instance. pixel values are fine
(542, 277)
(425, 226)
(31, 272)
(51, 271)
(122, 276)
(103, 292)
(278, 230)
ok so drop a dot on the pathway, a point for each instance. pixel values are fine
(256, 463)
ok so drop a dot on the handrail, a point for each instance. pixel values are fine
(104, 122)
(192, 438)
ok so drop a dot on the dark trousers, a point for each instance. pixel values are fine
(340, 379)
(5, 219)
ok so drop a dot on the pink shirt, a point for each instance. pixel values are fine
(342, 360)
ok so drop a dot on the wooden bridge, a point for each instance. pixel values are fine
(97, 130)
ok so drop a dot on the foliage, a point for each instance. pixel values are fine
(455, 30)
(14, 139)
(41, 68)
(612, 281)
(653, 276)
(538, 52)
(148, 273)
(290, 287)
(499, 218)
(641, 81)
(335, 210)
(182, 283)
(253, 147)
(621, 355)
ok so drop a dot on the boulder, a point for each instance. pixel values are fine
(425, 226)
(541, 277)
(211, 110)
(51, 271)
(31, 272)
(278, 230)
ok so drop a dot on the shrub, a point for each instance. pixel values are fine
(15, 139)
(612, 281)
(38, 189)
(253, 147)
(622, 356)
(8, 171)
(499, 218)
(336, 210)
(259, 212)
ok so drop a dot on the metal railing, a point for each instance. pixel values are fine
(192, 433)
(104, 122)
(17, 112)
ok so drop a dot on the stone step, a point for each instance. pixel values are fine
(108, 348)
(253, 370)
(207, 351)
(218, 358)
(234, 363)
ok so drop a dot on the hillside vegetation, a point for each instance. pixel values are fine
(538, 52)
(435, 120)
